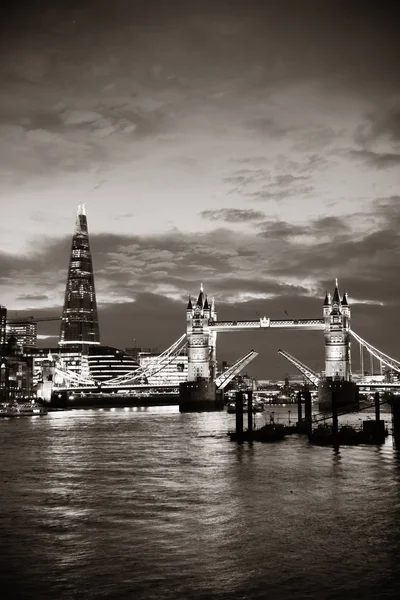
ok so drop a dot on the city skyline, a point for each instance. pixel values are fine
(249, 147)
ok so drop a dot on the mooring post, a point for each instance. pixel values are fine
(299, 409)
(394, 404)
(335, 421)
(307, 409)
(239, 413)
(250, 410)
(377, 406)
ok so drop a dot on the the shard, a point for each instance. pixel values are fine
(79, 322)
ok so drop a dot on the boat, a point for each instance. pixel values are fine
(24, 409)
(270, 432)
(346, 435)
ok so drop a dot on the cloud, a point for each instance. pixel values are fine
(218, 106)
(259, 184)
(123, 216)
(380, 160)
(232, 215)
(280, 256)
(273, 193)
(145, 279)
(32, 297)
(265, 126)
(381, 124)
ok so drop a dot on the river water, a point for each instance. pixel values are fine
(153, 504)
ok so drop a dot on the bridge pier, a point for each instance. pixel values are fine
(394, 403)
(299, 409)
(335, 418)
(377, 406)
(307, 410)
(346, 394)
(239, 414)
(250, 411)
(200, 395)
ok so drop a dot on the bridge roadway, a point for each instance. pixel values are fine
(378, 386)
(266, 323)
(103, 390)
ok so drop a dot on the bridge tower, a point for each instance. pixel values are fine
(199, 392)
(337, 317)
(198, 338)
(337, 377)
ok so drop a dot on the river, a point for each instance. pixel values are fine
(153, 504)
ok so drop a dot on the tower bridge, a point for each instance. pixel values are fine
(202, 327)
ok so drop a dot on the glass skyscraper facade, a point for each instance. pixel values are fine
(79, 322)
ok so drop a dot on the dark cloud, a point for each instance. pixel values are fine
(123, 216)
(383, 123)
(32, 297)
(333, 228)
(232, 215)
(274, 193)
(265, 126)
(260, 184)
(142, 280)
(388, 124)
(380, 160)
(280, 256)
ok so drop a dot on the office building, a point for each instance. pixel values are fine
(79, 322)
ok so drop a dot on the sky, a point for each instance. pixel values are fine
(251, 146)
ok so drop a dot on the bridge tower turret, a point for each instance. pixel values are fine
(337, 316)
(189, 309)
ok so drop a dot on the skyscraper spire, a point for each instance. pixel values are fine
(79, 322)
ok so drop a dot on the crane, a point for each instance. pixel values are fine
(32, 319)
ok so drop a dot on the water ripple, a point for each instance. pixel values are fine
(154, 504)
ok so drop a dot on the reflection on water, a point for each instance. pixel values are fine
(154, 504)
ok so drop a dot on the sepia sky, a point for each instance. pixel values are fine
(253, 146)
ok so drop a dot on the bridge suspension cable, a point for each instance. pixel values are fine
(387, 360)
(159, 363)
(75, 378)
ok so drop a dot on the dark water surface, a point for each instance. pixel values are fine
(152, 504)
